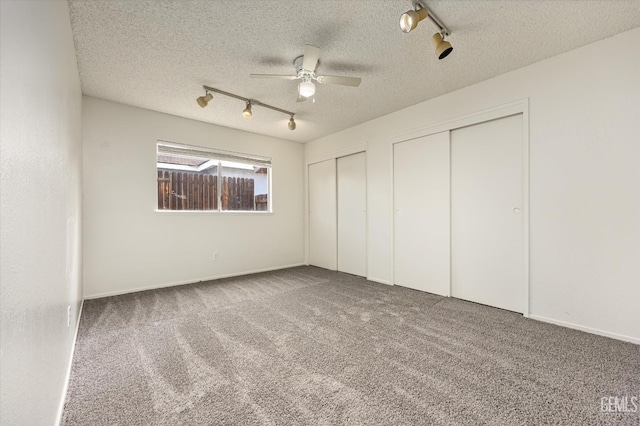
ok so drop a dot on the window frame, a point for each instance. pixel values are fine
(220, 157)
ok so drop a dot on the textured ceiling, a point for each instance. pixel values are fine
(158, 54)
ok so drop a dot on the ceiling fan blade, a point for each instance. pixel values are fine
(342, 81)
(274, 76)
(310, 57)
(301, 99)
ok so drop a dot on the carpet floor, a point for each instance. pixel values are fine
(306, 346)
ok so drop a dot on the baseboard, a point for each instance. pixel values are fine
(191, 281)
(68, 375)
(378, 280)
(616, 336)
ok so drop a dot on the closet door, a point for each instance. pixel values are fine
(421, 214)
(352, 214)
(487, 228)
(322, 215)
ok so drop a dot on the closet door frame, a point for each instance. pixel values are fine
(502, 111)
(356, 149)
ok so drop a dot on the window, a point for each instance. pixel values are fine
(194, 178)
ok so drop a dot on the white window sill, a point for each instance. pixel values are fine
(228, 212)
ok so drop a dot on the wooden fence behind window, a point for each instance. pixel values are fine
(197, 191)
(237, 193)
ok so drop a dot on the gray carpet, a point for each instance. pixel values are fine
(314, 347)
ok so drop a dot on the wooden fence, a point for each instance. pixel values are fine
(261, 202)
(237, 193)
(196, 191)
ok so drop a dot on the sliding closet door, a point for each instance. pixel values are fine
(352, 214)
(486, 214)
(322, 215)
(421, 213)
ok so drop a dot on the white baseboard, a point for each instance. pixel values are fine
(68, 375)
(378, 280)
(616, 336)
(191, 281)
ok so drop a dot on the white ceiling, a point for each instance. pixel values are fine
(158, 54)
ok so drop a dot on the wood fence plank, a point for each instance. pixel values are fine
(205, 192)
(245, 193)
(215, 192)
(251, 200)
(240, 193)
(225, 193)
(233, 189)
(193, 189)
(166, 190)
(183, 192)
(159, 183)
(200, 192)
(198, 187)
(189, 192)
(175, 191)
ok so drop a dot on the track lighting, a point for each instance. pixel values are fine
(409, 20)
(306, 88)
(247, 111)
(443, 48)
(204, 100)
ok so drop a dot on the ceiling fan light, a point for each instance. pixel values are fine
(409, 20)
(247, 111)
(306, 88)
(292, 123)
(204, 100)
(443, 47)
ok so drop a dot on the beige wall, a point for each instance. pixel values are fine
(40, 208)
(130, 246)
(584, 179)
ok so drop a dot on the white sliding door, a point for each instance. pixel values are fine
(322, 215)
(487, 226)
(421, 213)
(352, 214)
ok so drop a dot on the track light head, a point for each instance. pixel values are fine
(306, 88)
(203, 101)
(443, 48)
(409, 20)
(292, 123)
(247, 111)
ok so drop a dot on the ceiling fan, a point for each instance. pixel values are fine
(306, 72)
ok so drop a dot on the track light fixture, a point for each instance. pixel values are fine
(203, 101)
(410, 19)
(246, 113)
(443, 48)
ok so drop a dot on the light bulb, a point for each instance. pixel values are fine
(292, 124)
(306, 88)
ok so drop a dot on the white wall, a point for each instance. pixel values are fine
(129, 246)
(584, 179)
(40, 208)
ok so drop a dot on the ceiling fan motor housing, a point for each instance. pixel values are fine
(300, 71)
